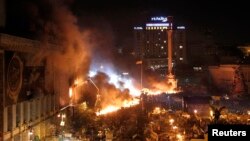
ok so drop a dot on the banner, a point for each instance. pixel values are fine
(22, 82)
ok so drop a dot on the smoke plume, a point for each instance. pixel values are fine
(68, 51)
(64, 47)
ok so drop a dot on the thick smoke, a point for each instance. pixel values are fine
(64, 48)
(68, 52)
(110, 94)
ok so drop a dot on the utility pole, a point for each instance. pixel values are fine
(98, 96)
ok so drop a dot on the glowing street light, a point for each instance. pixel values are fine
(63, 116)
(70, 92)
(175, 127)
(30, 133)
(211, 113)
(195, 111)
(171, 121)
(248, 112)
(62, 123)
(179, 137)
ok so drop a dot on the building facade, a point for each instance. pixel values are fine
(26, 105)
(231, 79)
(151, 44)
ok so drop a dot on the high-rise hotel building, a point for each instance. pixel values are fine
(151, 44)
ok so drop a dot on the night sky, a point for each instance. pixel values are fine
(227, 23)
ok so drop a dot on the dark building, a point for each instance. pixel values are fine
(139, 35)
(199, 105)
(26, 105)
(27, 96)
(180, 45)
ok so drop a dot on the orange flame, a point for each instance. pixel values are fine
(157, 92)
(70, 92)
(79, 82)
(124, 104)
(108, 109)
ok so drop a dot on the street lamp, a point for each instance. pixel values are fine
(195, 111)
(94, 85)
(248, 112)
(175, 127)
(98, 96)
(30, 133)
(63, 116)
(179, 137)
(171, 121)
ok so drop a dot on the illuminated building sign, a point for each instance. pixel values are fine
(138, 28)
(158, 24)
(180, 27)
(162, 19)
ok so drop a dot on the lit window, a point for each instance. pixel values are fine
(181, 58)
(147, 41)
(159, 38)
(181, 46)
(165, 41)
(162, 47)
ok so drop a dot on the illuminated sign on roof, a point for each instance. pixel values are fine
(180, 27)
(162, 19)
(158, 24)
(138, 28)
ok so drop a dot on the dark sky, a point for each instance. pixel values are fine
(228, 22)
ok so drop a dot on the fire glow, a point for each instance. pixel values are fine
(112, 108)
(124, 81)
(157, 92)
(70, 92)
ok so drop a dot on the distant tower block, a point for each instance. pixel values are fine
(171, 81)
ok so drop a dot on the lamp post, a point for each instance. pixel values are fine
(94, 85)
(30, 133)
(62, 122)
(63, 116)
(98, 96)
